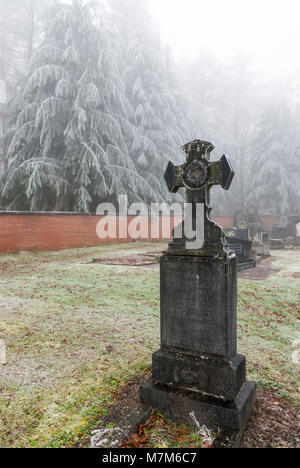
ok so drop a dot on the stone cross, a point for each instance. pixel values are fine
(197, 370)
(198, 173)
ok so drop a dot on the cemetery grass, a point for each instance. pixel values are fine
(78, 332)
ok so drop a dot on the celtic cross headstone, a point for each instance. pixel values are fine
(197, 368)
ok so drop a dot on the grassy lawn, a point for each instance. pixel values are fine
(268, 326)
(76, 331)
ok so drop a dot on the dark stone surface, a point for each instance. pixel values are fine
(197, 172)
(198, 304)
(221, 378)
(242, 234)
(227, 172)
(171, 177)
(198, 175)
(198, 369)
(246, 264)
(241, 247)
(212, 413)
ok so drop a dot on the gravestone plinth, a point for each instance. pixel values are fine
(197, 368)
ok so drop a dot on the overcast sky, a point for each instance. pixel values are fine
(268, 30)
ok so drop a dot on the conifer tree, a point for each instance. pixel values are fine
(67, 149)
(158, 118)
(275, 166)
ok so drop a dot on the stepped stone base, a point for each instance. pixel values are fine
(211, 412)
(222, 378)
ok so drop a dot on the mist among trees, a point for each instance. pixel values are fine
(97, 106)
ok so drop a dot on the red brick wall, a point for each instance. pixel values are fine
(225, 221)
(268, 222)
(39, 231)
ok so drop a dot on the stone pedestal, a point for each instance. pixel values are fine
(198, 304)
(213, 413)
(266, 244)
(198, 368)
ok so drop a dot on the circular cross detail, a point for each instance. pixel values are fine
(195, 175)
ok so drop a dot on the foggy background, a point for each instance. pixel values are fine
(96, 97)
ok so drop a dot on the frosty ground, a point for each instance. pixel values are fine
(77, 332)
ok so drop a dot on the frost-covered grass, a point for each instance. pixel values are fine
(75, 331)
(268, 326)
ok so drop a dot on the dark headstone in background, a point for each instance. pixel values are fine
(242, 249)
(242, 234)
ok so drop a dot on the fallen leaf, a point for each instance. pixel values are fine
(207, 445)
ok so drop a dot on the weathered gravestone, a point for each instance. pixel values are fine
(240, 223)
(241, 243)
(254, 224)
(242, 234)
(197, 368)
(265, 237)
(243, 251)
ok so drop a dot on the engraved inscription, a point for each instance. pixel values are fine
(193, 317)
